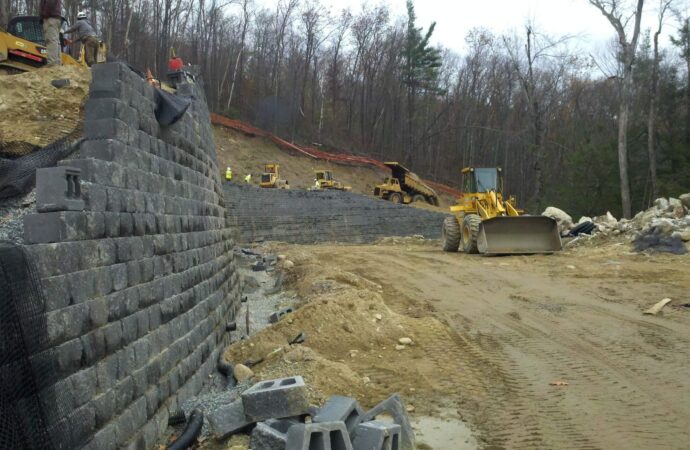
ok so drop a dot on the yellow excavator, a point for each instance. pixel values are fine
(485, 222)
(22, 47)
(324, 180)
(271, 178)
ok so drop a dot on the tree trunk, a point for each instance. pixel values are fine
(4, 14)
(651, 122)
(623, 145)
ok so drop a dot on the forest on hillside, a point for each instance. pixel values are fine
(369, 82)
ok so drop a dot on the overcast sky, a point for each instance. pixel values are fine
(454, 18)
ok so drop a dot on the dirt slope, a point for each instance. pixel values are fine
(249, 154)
(491, 335)
(34, 113)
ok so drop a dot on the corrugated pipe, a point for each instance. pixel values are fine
(191, 431)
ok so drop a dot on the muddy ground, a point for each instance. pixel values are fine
(526, 351)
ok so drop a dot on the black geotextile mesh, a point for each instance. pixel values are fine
(18, 175)
(23, 333)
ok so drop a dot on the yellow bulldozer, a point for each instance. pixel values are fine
(270, 178)
(486, 222)
(324, 180)
(22, 47)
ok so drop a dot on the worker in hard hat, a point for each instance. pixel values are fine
(84, 32)
(248, 178)
(228, 174)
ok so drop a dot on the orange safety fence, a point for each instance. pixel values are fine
(345, 158)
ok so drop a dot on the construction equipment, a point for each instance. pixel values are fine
(324, 180)
(22, 47)
(404, 187)
(271, 178)
(485, 222)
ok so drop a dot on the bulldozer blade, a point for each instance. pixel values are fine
(518, 235)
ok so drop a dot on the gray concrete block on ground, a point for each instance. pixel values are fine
(58, 189)
(228, 420)
(276, 316)
(344, 409)
(272, 399)
(377, 435)
(395, 407)
(265, 437)
(318, 436)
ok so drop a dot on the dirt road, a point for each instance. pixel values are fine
(521, 323)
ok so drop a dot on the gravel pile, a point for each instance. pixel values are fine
(12, 212)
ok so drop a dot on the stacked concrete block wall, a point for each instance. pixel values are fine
(305, 217)
(140, 283)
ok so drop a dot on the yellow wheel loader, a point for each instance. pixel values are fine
(22, 47)
(324, 180)
(271, 178)
(487, 223)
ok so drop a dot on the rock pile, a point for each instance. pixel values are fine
(665, 227)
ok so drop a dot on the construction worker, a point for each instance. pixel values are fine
(317, 185)
(228, 174)
(50, 12)
(83, 31)
(248, 178)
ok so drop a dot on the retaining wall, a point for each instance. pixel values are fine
(141, 282)
(305, 217)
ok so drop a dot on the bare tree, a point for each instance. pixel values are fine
(4, 13)
(664, 6)
(614, 13)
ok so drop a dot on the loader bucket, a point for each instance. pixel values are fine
(512, 235)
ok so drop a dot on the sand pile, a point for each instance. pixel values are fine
(355, 346)
(35, 113)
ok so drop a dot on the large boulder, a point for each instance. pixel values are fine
(685, 200)
(565, 222)
(661, 204)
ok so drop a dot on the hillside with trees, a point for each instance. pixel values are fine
(370, 82)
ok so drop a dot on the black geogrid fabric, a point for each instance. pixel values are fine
(18, 176)
(23, 422)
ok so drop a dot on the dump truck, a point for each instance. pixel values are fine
(405, 187)
(324, 180)
(486, 222)
(22, 47)
(270, 178)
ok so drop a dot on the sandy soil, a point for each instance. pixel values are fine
(249, 154)
(491, 337)
(34, 113)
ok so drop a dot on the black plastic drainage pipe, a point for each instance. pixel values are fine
(191, 431)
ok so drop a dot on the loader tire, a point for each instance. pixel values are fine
(450, 234)
(419, 198)
(470, 231)
(395, 198)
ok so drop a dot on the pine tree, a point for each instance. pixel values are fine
(420, 71)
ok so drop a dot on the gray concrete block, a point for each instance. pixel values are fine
(228, 420)
(54, 227)
(59, 189)
(318, 436)
(276, 316)
(376, 435)
(395, 407)
(343, 409)
(272, 399)
(103, 149)
(105, 405)
(106, 129)
(265, 437)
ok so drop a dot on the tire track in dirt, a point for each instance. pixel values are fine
(619, 394)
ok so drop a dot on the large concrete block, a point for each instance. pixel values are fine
(58, 189)
(55, 227)
(376, 435)
(228, 420)
(271, 399)
(395, 407)
(266, 437)
(318, 436)
(343, 409)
